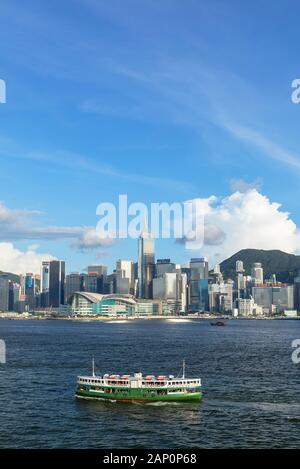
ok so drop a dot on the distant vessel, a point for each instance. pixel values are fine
(138, 388)
(218, 323)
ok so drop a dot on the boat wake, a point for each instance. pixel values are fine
(122, 321)
(178, 320)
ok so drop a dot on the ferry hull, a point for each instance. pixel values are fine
(139, 395)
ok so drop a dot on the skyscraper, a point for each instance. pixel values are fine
(4, 292)
(98, 269)
(93, 282)
(239, 266)
(257, 273)
(164, 266)
(125, 276)
(199, 271)
(45, 284)
(74, 283)
(57, 283)
(146, 264)
(30, 290)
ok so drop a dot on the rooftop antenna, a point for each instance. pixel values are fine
(93, 366)
(183, 369)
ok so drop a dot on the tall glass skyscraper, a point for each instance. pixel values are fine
(199, 271)
(45, 284)
(146, 265)
(57, 284)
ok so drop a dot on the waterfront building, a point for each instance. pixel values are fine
(146, 265)
(297, 292)
(221, 297)
(86, 304)
(203, 295)
(56, 283)
(148, 307)
(114, 306)
(172, 287)
(247, 307)
(280, 295)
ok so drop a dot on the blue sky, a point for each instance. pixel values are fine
(161, 100)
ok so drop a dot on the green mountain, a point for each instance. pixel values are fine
(285, 266)
(12, 277)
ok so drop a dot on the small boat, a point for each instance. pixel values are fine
(137, 388)
(218, 323)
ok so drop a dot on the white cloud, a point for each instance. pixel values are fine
(92, 239)
(20, 225)
(19, 262)
(249, 220)
(240, 185)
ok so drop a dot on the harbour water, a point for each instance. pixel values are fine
(251, 386)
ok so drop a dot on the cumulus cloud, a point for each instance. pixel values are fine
(241, 185)
(92, 239)
(20, 262)
(247, 220)
(213, 235)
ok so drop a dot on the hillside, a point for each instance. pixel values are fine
(285, 266)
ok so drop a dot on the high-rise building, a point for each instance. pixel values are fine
(45, 274)
(74, 283)
(199, 271)
(56, 284)
(257, 273)
(164, 266)
(98, 269)
(146, 265)
(4, 292)
(297, 292)
(14, 296)
(93, 283)
(110, 284)
(203, 295)
(239, 267)
(30, 291)
(281, 296)
(125, 276)
(221, 297)
(172, 287)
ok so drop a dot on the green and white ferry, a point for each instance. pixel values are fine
(139, 388)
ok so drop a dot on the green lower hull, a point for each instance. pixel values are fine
(139, 395)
